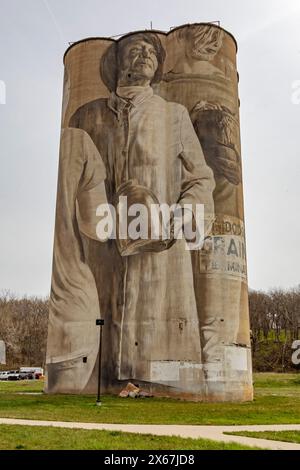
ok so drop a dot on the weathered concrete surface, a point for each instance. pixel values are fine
(159, 120)
(195, 432)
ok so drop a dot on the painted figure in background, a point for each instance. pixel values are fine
(74, 304)
(218, 132)
(202, 76)
(197, 47)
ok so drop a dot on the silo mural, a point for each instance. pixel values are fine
(151, 119)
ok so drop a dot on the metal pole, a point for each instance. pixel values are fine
(99, 322)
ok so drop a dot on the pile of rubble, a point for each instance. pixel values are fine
(134, 391)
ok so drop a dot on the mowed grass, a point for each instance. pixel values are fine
(22, 386)
(48, 438)
(277, 401)
(284, 436)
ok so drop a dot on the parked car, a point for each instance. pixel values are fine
(10, 375)
(30, 373)
(13, 375)
(26, 375)
(4, 374)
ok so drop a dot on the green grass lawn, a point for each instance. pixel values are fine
(285, 436)
(277, 401)
(20, 386)
(47, 438)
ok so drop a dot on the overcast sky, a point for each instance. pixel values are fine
(33, 37)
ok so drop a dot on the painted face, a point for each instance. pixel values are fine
(139, 60)
(205, 42)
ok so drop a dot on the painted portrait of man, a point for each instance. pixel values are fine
(147, 299)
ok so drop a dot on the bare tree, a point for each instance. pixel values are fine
(23, 327)
(275, 323)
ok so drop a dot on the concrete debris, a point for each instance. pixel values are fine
(134, 391)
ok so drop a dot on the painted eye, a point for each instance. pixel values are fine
(134, 51)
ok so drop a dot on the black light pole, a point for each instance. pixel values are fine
(99, 322)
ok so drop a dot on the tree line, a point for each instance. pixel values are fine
(23, 328)
(274, 319)
(275, 324)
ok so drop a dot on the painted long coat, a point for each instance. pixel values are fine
(147, 299)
